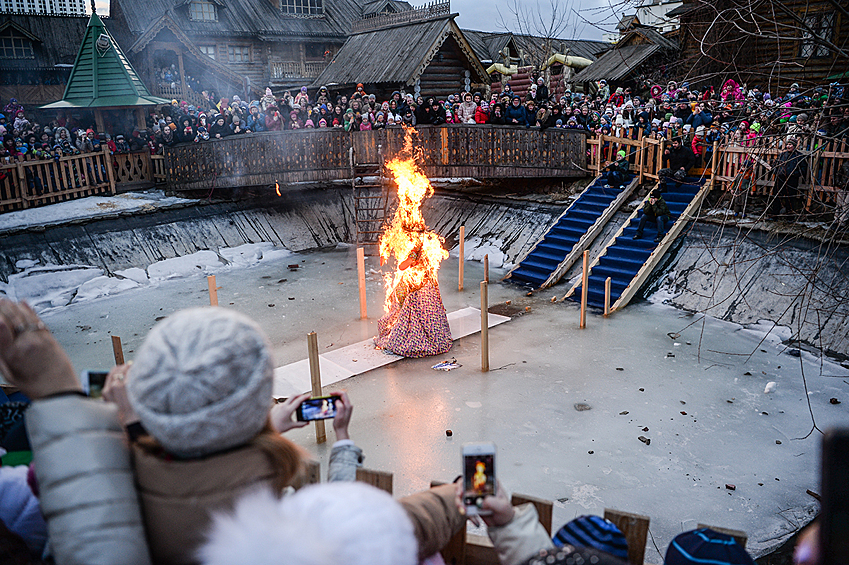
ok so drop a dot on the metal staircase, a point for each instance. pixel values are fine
(371, 201)
(573, 232)
(628, 262)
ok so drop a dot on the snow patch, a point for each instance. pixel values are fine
(768, 329)
(24, 264)
(134, 274)
(476, 248)
(49, 286)
(201, 262)
(103, 286)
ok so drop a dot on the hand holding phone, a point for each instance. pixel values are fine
(93, 382)
(478, 476)
(317, 408)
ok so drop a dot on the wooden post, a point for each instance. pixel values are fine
(600, 145)
(635, 528)
(462, 255)
(98, 120)
(110, 168)
(22, 183)
(213, 290)
(607, 297)
(183, 86)
(377, 479)
(315, 378)
(642, 158)
(117, 350)
(484, 327)
(361, 275)
(584, 291)
(486, 268)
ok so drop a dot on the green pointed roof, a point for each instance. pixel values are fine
(103, 78)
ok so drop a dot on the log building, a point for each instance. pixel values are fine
(775, 48)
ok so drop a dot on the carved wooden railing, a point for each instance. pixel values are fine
(321, 155)
(296, 69)
(376, 21)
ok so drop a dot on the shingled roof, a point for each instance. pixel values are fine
(627, 55)
(488, 45)
(397, 54)
(102, 76)
(248, 18)
(55, 39)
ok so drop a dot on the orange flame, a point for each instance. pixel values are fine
(417, 250)
(277, 188)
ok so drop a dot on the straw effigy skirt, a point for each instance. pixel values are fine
(416, 328)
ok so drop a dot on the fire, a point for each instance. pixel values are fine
(407, 232)
(277, 188)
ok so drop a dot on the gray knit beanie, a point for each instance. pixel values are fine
(202, 381)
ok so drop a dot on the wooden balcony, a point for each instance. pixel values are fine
(296, 69)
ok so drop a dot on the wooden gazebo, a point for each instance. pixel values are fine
(103, 78)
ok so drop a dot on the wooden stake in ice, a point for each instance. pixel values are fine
(584, 292)
(607, 297)
(484, 327)
(117, 350)
(361, 274)
(213, 290)
(315, 377)
(462, 255)
(486, 268)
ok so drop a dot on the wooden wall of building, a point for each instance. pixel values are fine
(759, 58)
(444, 75)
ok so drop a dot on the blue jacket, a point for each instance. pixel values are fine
(256, 123)
(513, 113)
(703, 118)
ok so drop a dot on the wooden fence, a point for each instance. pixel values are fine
(30, 182)
(321, 155)
(732, 161)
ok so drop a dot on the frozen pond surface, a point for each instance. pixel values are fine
(701, 395)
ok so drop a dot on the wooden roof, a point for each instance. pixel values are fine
(632, 50)
(56, 39)
(396, 54)
(247, 18)
(103, 77)
(488, 45)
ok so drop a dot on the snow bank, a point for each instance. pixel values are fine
(52, 286)
(85, 208)
(476, 248)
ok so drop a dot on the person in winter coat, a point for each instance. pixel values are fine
(542, 91)
(256, 119)
(220, 129)
(273, 121)
(482, 113)
(97, 528)
(84, 144)
(465, 111)
(788, 168)
(655, 210)
(699, 117)
(677, 160)
(515, 113)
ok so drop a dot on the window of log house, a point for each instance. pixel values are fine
(208, 50)
(823, 24)
(303, 7)
(239, 53)
(15, 46)
(201, 11)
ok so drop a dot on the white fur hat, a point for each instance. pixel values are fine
(202, 381)
(325, 524)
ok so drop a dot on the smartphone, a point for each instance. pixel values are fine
(478, 476)
(93, 382)
(834, 512)
(317, 408)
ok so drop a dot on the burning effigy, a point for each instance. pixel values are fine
(415, 323)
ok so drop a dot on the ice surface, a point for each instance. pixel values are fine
(475, 248)
(709, 421)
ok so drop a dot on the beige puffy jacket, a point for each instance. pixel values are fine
(85, 480)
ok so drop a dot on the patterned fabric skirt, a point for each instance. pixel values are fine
(416, 328)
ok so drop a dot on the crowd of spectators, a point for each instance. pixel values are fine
(731, 115)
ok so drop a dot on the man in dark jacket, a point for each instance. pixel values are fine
(677, 161)
(617, 171)
(657, 211)
(515, 114)
(788, 167)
